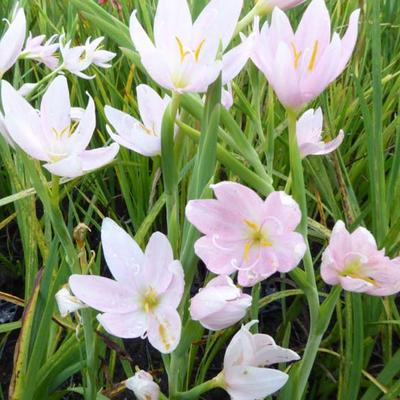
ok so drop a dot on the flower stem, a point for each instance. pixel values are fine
(198, 390)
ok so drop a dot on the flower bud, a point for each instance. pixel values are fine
(143, 386)
(67, 303)
(220, 304)
(265, 6)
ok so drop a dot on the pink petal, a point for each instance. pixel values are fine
(164, 330)
(348, 41)
(123, 255)
(281, 206)
(234, 61)
(156, 66)
(127, 326)
(103, 294)
(174, 292)
(354, 285)
(315, 25)
(69, 167)
(240, 350)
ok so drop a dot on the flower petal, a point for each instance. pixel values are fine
(164, 330)
(139, 36)
(69, 167)
(127, 326)
(97, 158)
(123, 255)
(103, 294)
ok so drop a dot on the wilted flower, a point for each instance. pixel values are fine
(184, 55)
(78, 59)
(143, 298)
(244, 376)
(299, 66)
(143, 137)
(36, 50)
(49, 136)
(143, 386)
(220, 304)
(246, 234)
(67, 303)
(12, 42)
(309, 135)
(353, 261)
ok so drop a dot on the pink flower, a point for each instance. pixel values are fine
(353, 261)
(265, 6)
(143, 386)
(184, 55)
(36, 50)
(50, 136)
(220, 304)
(246, 356)
(299, 66)
(246, 234)
(143, 137)
(309, 135)
(143, 298)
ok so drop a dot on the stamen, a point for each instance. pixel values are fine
(198, 50)
(311, 65)
(297, 55)
(181, 49)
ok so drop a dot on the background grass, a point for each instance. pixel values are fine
(359, 358)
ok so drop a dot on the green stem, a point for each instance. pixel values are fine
(198, 390)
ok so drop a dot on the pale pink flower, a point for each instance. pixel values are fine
(227, 97)
(219, 304)
(79, 58)
(244, 375)
(299, 66)
(143, 137)
(353, 261)
(67, 303)
(184, 55)
(309, 135)
(12, 42)
(246, 234)
(265, 6)
(50, 136)
(35, 49)
(143, 298)
(143, 386)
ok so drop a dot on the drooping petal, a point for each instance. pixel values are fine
(164, 329)
(123, 255)
(103, 294)
(322, 148)
(12, 42)
(97, 158)
(23, 123)
(249, 383)
(127, 326)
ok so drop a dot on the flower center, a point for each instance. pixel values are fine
(297, 56)
(150, 300)
(257, 238)
(354, 270)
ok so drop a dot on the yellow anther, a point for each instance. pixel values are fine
(313, 59)
(198, 50)
(297, 55)
(150, 300)
(256, 238)
(181, 48)
(164, 337)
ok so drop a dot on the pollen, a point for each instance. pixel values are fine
(313, 59)
(150, 300)
(164, 337)
(257, 238)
